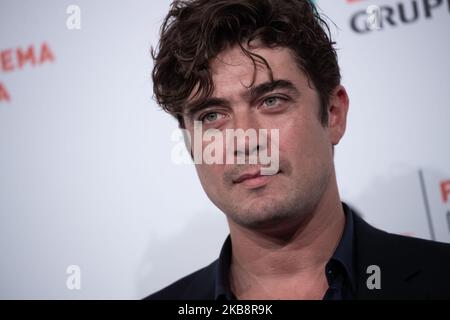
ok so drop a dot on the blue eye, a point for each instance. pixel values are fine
(271, 101)
(210, 117)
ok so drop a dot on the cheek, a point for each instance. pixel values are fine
(211, 176)
(300, 141)
(293, 136)
(203, 171)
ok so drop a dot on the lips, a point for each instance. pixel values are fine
(247, 176)
(253, 179)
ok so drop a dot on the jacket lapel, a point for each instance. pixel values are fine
(397, 271)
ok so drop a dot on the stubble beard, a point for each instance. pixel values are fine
(288, 208)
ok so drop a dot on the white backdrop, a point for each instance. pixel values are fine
(85, 172)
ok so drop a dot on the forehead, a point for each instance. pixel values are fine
(232, 70)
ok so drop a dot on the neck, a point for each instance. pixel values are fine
(300, 250)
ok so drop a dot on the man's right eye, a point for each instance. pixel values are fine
(211, 117)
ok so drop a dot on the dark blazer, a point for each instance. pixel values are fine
(410, 268)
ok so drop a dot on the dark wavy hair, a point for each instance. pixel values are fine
(196, 31)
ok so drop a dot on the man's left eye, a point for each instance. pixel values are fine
(271, 101)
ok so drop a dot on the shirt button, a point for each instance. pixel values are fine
(330, 275)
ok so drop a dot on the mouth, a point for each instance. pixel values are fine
(254, 179)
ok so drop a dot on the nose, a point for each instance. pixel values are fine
(246, 137)
(248, 150)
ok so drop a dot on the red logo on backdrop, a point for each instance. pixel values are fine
(17, 59)
(445, 190)
(4, 95)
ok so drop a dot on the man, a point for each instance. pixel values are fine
(270, 64)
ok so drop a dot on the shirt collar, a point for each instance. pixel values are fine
(222, 282)
(343, 255)
(344, 252)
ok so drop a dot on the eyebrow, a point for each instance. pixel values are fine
(252, 94)
(193, 108)
(266, 87)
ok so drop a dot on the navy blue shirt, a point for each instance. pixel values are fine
(339, 270)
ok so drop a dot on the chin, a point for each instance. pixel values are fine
(263, 215)
(278, 215)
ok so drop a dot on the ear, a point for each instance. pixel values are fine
(337, 114)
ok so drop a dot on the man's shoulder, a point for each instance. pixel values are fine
(429, 253)
(198, 285)
(409, 267)
(399, 245)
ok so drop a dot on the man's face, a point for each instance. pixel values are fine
(305, 145)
